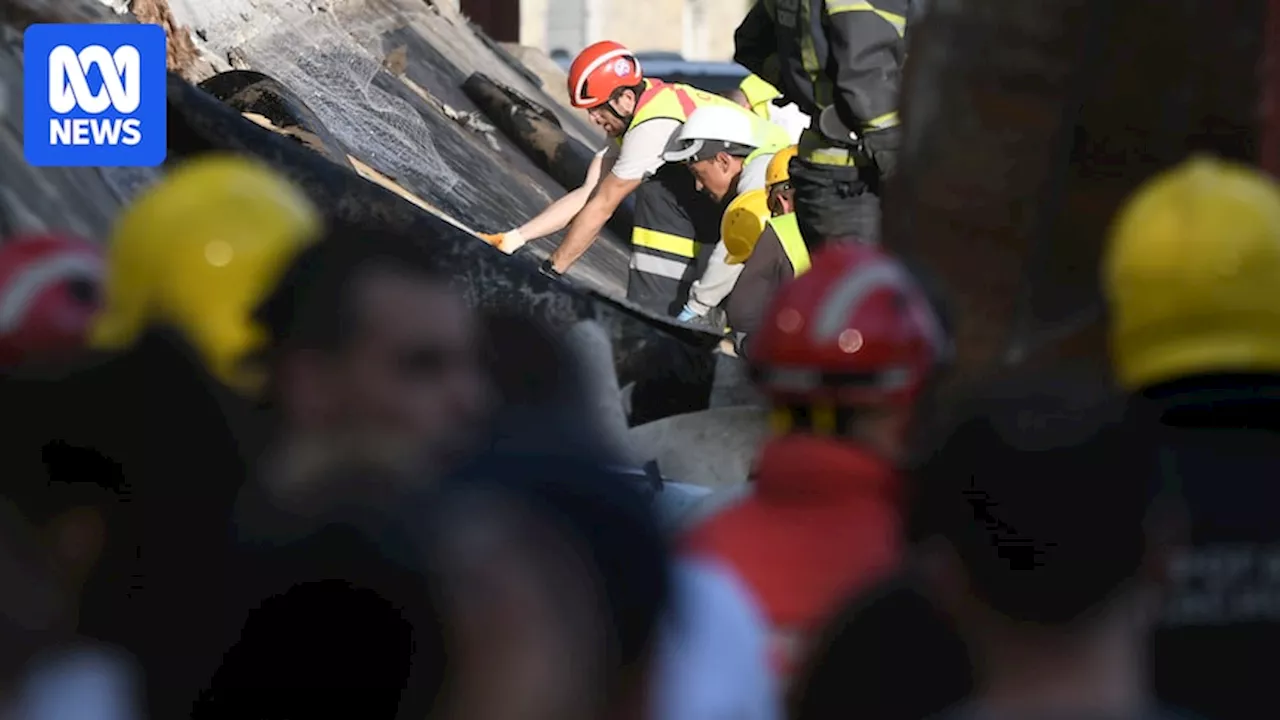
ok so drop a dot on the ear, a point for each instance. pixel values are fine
(76, 538)
(306, 386)
(942, 574)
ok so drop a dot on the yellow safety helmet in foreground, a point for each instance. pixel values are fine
(759, 92)
(199, 251)
(779, 169)
(1191, 273)
(742, 223)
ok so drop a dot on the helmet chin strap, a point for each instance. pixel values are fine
(626, 119)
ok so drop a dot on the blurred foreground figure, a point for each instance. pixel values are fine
(1191, 273)
(139, 447)
(374, 360)
(345, 622)
(709, 654)
(1054, 534)
(198, 252)
(46, 672)
(560, 578)
(50, 290)
(843, 354)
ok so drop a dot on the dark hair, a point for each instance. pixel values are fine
(313, 304)
(613, 522)
(1042, 485)
(347, 622)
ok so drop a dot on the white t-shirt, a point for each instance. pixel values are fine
(642, 148)
(713, 661)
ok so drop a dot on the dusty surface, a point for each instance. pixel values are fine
(712, 448)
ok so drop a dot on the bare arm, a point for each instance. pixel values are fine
(608, 195)
(559, 213)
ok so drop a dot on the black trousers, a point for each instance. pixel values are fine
(834, 203)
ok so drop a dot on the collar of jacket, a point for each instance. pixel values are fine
(804, 469)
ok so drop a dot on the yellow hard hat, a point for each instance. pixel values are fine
(1191, 271)
(742, 223)
(779, 169)
(759, 92)
(199, 251)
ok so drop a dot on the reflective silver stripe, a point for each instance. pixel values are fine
(654, 265)
(833, 315)
(23, 289)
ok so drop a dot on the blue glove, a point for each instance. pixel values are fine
(687, 314)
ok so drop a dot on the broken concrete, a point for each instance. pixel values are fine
(712, 448)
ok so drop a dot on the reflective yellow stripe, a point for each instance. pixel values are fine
(788, 232)
(887, 120)
(898, 22)
(817, 149)
(664, 242)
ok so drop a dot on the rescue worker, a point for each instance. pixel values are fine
(146, 420)
(727, 151)
(841, 62)
(676, 227)
(177, 257)
(1190, 274)
(824, 519)
(50, 291)
(762, 232)
(763, 99)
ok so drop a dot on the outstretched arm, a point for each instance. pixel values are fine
(608, 195)
(558, 214)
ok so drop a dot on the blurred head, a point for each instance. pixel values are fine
(739, 97)
(372, 345)
(1190, 272)
(50, 292)
(345, 620)
(847, 348)
(1039, 497)
(198, 251)
(782, 194)
(605, 80)
(600, 563)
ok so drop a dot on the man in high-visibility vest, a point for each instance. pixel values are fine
(676, 227)
(766, 101)
(760, 232)
(841, 62)
(728, 153)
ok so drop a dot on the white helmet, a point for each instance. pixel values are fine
(727, 128)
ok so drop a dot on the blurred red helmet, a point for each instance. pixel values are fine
(50, 290)
(599, 70)
(854, 330)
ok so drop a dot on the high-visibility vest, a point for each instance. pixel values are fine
(793, 246)
(674, 101)
(759, 94)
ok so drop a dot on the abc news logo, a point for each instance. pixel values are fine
(94, 95)
(69, 90)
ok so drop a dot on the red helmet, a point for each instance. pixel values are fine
(599, 70)
(50, 290)
(854, 330)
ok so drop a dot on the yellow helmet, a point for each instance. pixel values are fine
(759, 92)
(199, 251)
(742, 223)
(1191, 271)
(779, 170)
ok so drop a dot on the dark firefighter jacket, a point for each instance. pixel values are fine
(820, 53)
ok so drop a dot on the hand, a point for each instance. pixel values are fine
(494, 239)
(687, 314)
(549, 269)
